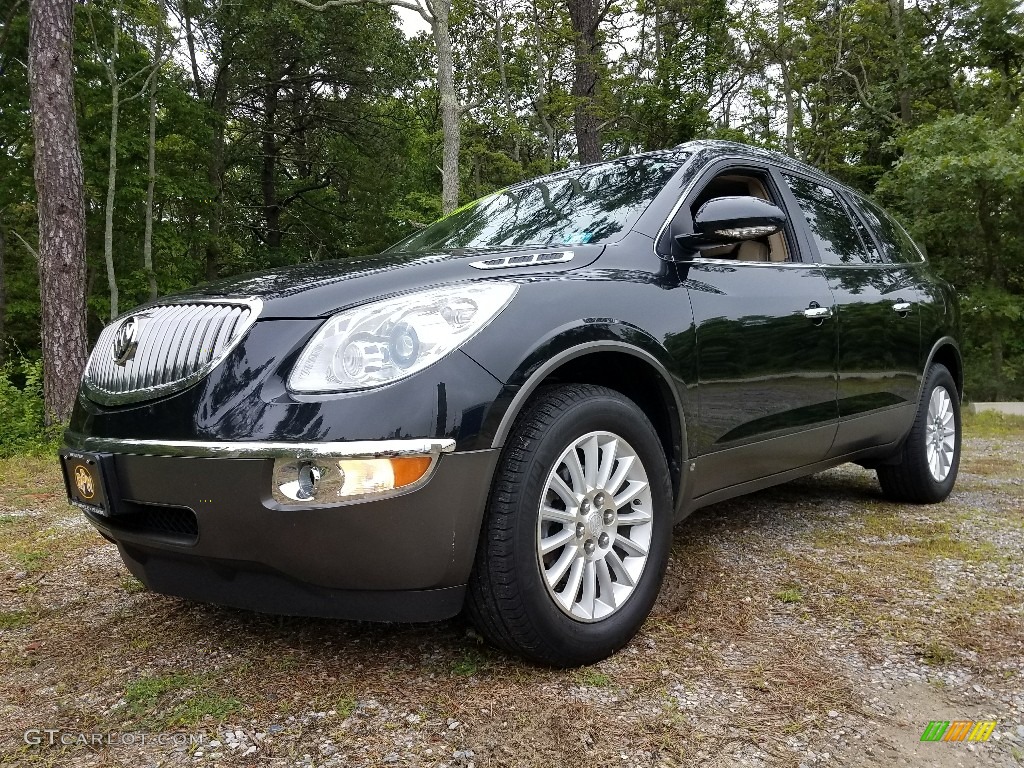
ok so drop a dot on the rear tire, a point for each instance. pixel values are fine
(577, 532)
(930, 457)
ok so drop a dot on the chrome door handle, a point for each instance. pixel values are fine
(818, 313)
(901, 307)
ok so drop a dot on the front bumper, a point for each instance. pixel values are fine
(197, 520)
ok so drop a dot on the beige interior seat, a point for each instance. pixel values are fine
(751, 250)
(776, 242)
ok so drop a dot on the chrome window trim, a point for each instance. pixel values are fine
(254, 449)
(737, 262)
(105, 397)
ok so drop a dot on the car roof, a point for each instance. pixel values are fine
(715, 148)
(705, 151)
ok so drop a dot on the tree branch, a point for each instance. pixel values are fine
(35, 254)
(411, 5)
(324, 184)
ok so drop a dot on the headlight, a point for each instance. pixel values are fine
(385, 341)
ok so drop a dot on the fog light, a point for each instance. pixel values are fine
(298, 480)
(361, 476)
(332, 480)
(309, 477)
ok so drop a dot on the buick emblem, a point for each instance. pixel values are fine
(126, 341)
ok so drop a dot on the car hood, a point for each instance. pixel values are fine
(322, 288)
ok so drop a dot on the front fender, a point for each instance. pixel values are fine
(567, 344)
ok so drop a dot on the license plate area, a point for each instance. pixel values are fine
(90, 481)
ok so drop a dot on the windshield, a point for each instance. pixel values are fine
(594, 204)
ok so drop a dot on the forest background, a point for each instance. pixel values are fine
(223, 136)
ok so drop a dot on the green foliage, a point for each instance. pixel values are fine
(960, 184)
(21, 403)
(332, 139)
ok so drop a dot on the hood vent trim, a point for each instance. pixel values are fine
(525, 260)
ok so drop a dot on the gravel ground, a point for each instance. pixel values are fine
(813, 624)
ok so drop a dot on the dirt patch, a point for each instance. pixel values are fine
(814, 624)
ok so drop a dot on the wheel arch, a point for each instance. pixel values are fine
(634, 372)
(947, 352)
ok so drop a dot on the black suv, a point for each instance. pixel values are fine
(508, 410)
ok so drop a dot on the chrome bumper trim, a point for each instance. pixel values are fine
(362, 449)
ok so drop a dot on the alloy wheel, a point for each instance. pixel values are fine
(940, 441)
(594, 526)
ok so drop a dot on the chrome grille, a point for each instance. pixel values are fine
(177, 345)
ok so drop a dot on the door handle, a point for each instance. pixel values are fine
(814, 312)
(901, 307)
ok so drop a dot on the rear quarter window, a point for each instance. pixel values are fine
(896, 245)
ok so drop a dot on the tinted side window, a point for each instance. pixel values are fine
(874, 255)
(896, 243)
(829, 222)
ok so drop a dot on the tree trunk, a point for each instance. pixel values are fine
(268, 180)
(902, 71)
(147, 238)
(510, 115)
(996, 280)
(584, 16)
(190, 42)
(108, 220)
(540, 96)
(3, 292)
(215, 171)
(451, 112)
(787, 82)
(60, 203)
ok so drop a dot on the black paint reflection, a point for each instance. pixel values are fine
(879, 348)
(764, 369)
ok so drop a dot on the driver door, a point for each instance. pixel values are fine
(766, 345)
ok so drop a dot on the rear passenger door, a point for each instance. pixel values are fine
(878, 317)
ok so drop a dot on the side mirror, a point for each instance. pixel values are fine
(731, 220)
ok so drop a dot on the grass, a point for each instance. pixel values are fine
(200, 708)
(990, 424)
(471, 663)
(792, 594)
(176, 700)
(591, 677)
(345, 706)
(878, 571)
(141, 696)
(938, 654)
(132, 586)
(30, 559)
(15, 619)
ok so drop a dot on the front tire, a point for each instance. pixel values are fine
(930, 457)
(577, 531)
